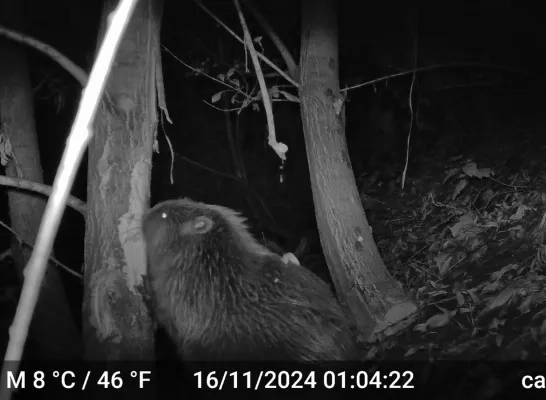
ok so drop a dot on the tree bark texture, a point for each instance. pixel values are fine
(53, 333)
(360, 277)
(117, 324)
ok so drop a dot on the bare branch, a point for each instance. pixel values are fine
(263, 58)
(41, 188)
(283, 50)
(280, 148)
(78, 73)
(432, 67)
(57, 262)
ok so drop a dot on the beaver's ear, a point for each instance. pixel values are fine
(197, 226)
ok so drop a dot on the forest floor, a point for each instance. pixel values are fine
(471, 246)
(467, 235)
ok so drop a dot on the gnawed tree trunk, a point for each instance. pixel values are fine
(53, 333)
(117, 325)
(361, 279)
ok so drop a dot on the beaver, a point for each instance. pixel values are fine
(222, 296)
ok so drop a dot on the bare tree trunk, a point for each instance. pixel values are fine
(53, 329)
(361, 279)
(117, 325)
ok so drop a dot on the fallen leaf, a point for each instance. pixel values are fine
(498, 274)
(443, 261)
(520, 212)
(526, 304)
(491, 287)
(411, 351)
(420, 328)
(439, 320)
(502, 298)
(451, 173)
(473, 295)
(460, 298)
(459, 188)
(498, 340)
(465, 221)
(478, 254)
(472, 170)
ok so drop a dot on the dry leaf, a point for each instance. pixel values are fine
(451, 173)
(459, 188)
(471, 170)
(502, 298)
(465, 221)
(439, 320)
(460, 298)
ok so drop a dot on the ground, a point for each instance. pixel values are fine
(467, 236)
(470, 246)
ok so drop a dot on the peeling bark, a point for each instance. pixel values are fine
(117, 325)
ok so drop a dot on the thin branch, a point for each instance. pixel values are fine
(283, 50)
(410, 103)
(262, 57)
(234, 88)
(222, 109)
(280, 148)
(57, 262)
(432, 67)
(78, 73)
(41, 188)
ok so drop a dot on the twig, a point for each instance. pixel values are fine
(418, 251)
(57, 262)
(508, 185)
(234, 88)
(221, 109)
(410, 101)
(429, 68)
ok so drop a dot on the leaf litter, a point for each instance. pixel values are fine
(472, 250)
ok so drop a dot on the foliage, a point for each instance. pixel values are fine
(473, 253)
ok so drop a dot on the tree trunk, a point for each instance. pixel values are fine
(117, 325)
(53, 333)
(361, 279)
